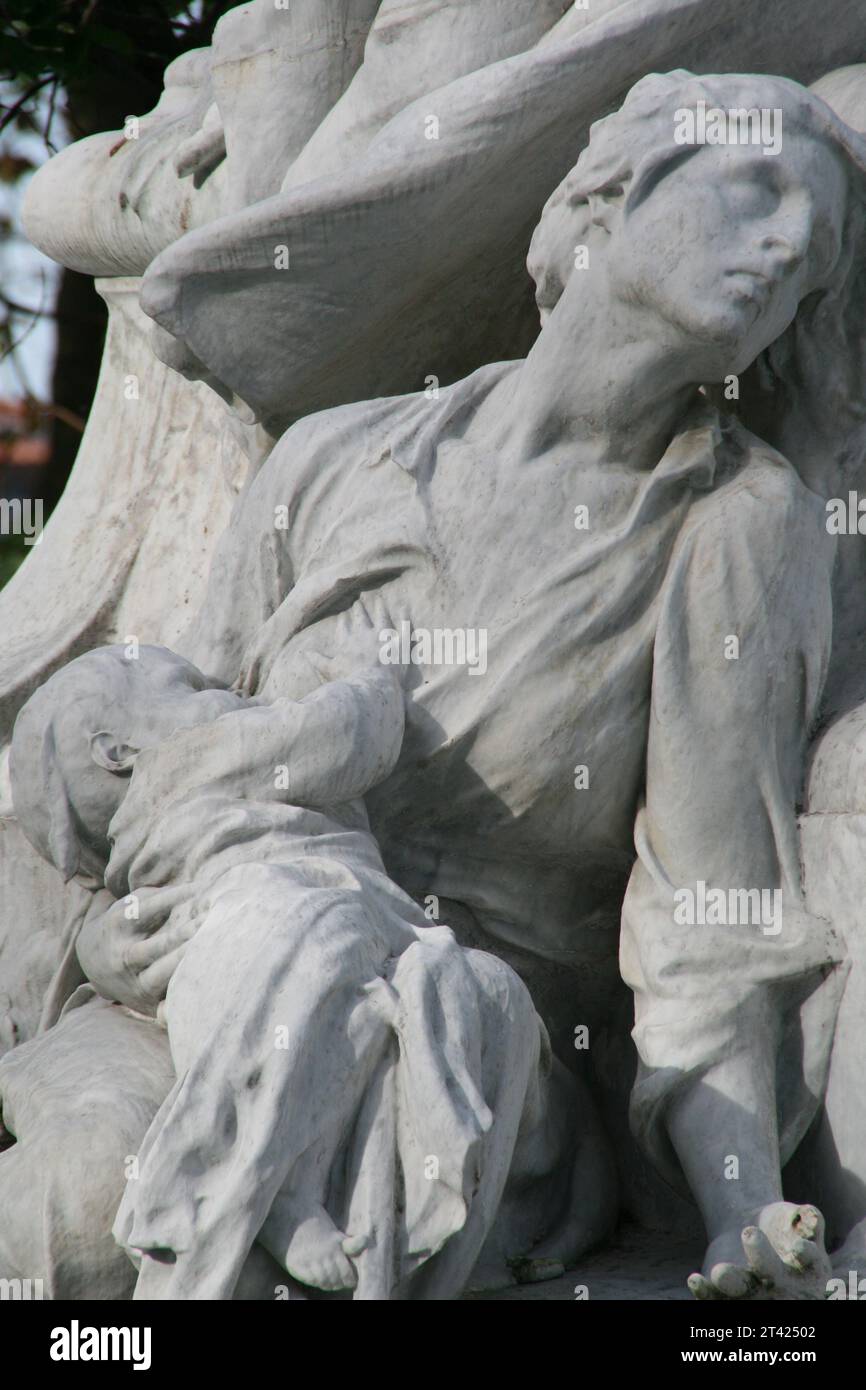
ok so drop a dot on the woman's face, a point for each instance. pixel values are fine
(728, 243)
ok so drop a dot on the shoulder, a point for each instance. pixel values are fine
(359, 436)
(344, 438)
(765, 473)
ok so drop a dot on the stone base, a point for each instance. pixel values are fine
(638, 1266)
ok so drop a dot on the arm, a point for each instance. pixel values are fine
(129, 956)
(346, 737)
(336, 743)
(331, 746)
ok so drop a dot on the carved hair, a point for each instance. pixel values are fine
(630, 151)
(51, 738)
(806, 393)
(51, 719)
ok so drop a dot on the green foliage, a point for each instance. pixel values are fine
(95, 62)
(67, 39)
(106, 57)
(12, 552)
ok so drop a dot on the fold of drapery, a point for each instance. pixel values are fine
(454, 213)
(313, 1010)
(723, 955)
(446, 1040)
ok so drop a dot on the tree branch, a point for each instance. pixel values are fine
(31, 91)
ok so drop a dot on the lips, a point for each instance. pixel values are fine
(752, 274)
(760, 286)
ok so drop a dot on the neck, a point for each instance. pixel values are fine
(603, 374)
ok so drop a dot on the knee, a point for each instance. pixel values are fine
(78, 1101)
(59, 1191)
(507, 1003)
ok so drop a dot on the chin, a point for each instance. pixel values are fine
(729, 342)
(710, 332)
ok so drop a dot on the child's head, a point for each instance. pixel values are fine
(76, 739)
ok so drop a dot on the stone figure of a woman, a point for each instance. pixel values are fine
(654, 586)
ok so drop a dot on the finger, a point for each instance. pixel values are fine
(764, 1262)
(732, 1281)
(806, 1253)
(808, 1223)
(154, 981)
(354, 1245)
(140, 914)
(101, 901)
(142, 954)
(202, 151)
(156, 900)
(700, 1288)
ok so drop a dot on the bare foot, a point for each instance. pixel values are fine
(317, 1253)
(779, 1256)
(533, 1269)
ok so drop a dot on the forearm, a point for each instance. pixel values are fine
(350, 741)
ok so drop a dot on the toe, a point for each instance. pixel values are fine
(355, 1245)
(732, 1281)
(700, 1288)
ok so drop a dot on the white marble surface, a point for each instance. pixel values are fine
(257, 492)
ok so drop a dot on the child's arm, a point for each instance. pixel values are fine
(129, 953)
(344, 738)
(331, 746)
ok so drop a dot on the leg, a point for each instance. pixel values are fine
(77, 1101)
(831, 1164)
(287, 979)
(740, 658)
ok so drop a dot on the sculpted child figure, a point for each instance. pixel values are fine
(656, 584)
(297, 973)
(609, 643)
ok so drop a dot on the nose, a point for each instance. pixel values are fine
(784, 250)
(788, 241)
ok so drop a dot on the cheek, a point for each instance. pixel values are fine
(642, 273)
(778, 315)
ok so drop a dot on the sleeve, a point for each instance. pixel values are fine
(331, 746)
(345, 737)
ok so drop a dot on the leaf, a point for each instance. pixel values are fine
(12, 166)
(111, 38)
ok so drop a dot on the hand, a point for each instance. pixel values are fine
(203, 151)
(130, 959)
(779, 1256)
(353, 638)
